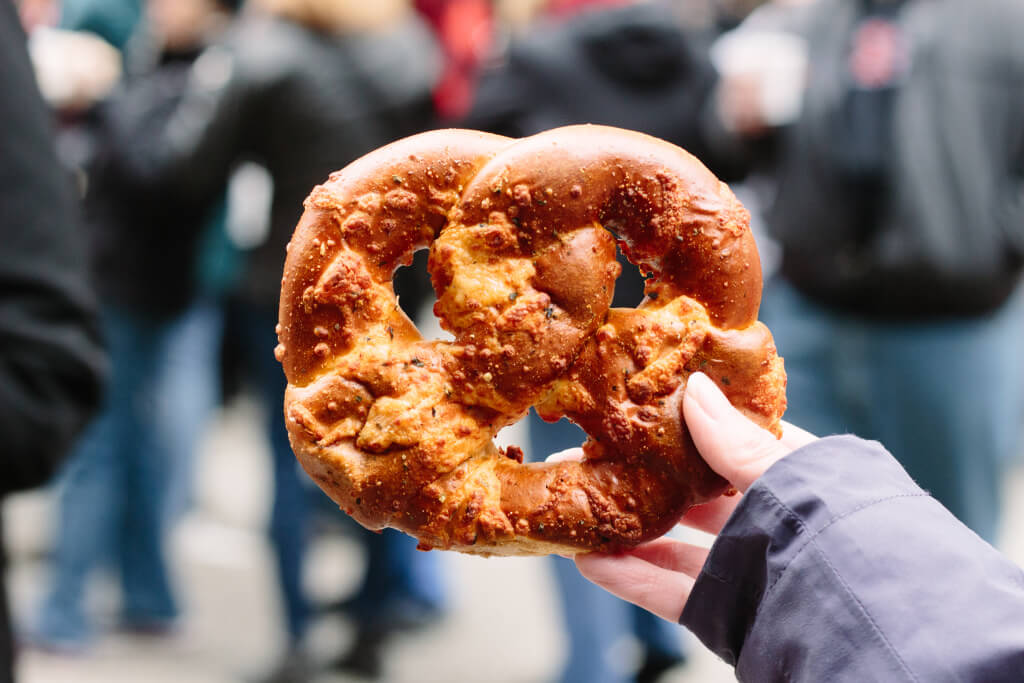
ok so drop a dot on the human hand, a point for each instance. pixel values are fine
(762, 79)
(738, 100)
(659, 575)
(74, 69)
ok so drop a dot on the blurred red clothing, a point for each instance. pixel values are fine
(465, 29)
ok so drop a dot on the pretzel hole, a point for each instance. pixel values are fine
(629, 286)
(545, 437)
(416, 297)
(551, 437)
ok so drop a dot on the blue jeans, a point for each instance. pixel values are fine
(113, 492)
(188, 396)
(595, 619)
(397, 574)
(400, 583)
(291, 508)
(944, 396)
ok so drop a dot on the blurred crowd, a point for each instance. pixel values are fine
(878, 143)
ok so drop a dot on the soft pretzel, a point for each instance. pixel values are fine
(522, 236)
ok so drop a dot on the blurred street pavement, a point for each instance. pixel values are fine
(504, 625)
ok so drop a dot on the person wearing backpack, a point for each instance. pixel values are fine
(899, 210)
(301, 87)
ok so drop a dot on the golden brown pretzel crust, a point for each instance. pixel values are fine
(522, 233)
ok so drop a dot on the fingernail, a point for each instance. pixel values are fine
(707, 394)
(568, 455)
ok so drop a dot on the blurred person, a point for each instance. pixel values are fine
(180, 32)
(51, 357)
(899, 208)
(833, 565)
(632, 65)
(118, 490)
(302, 87)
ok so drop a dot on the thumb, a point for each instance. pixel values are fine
(729, 442)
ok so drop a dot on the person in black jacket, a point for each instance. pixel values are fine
(634, 66)
(637, 67)
(899, 210)
(832, 566)
(116, 491)
(51, 357)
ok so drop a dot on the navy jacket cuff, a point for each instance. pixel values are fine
(795, 499)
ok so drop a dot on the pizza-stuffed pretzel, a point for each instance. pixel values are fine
(522, 237)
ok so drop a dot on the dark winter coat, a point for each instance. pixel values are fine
(944, 232)
(51, 358)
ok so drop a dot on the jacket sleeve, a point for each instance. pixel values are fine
(837, 567)
(51, 359)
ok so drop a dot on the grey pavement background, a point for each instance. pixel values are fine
(504, 625)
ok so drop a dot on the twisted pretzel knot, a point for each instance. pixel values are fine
(522, 236)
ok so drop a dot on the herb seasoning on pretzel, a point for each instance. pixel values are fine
(522, 237)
